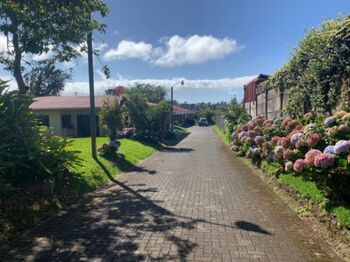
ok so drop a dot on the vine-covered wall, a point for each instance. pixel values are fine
(317, 77)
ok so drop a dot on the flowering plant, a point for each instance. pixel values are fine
(299, 165)
(324, 160)
(295, 138)
(288, 167)
(278, 151)
(339, 114)
(242, 134)
(259, 140)
(313, 139)
(329, 121)
(346, 117)
(342, 146)
(284, 142)
(311, 155)
(329, 150)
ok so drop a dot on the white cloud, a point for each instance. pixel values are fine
(100, 46)
(3, 43)
(176, 50)
(129, 49)
(195, 50)
(44, 55)
(223, 84)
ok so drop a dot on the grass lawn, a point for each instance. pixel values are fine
(91, 172)
(224, 137)
(20, 209)
(179, 134)
(309, 190)
(180, 128)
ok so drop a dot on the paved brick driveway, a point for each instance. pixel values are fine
(193, 202)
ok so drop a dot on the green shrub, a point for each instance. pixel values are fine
(110, 117)
(28, 152)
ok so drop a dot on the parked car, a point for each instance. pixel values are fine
(203, 122)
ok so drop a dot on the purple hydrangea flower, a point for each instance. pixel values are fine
(295, 138)
(329, 150)
(278, 150)
(329, 121)
(242, 134)
(341, 146)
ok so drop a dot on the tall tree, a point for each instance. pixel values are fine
(46, 79)
(151, 93)
(37, 27)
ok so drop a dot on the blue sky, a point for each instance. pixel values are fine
(216, 46)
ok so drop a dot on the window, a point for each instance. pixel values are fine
(66, 121)
(44, 120)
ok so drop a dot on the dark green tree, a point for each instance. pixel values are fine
(152, 93)
(147, 118)
(111, 117)
(37, 27)
(46, 79)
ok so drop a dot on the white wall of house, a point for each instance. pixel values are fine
(55, 120)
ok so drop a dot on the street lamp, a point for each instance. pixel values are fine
(172, 104)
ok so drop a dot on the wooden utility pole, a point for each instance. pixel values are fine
(92, 96)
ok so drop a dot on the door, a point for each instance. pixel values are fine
(83, 122)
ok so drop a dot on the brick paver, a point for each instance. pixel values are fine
(195, 202)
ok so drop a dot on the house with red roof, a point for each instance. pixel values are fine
(68, 116)
(182, 115)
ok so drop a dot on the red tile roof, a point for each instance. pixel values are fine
(181, 110)
(66, 102)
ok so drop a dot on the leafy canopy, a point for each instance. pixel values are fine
(317, 71)
(27, 151)
(111, 117)
(46, 79)
(37, 27)
(152, 93)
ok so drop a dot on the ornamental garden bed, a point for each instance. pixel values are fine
(308, 158)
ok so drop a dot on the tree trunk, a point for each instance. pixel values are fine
(17, 70)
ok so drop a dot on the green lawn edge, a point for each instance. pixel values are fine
(223, 136)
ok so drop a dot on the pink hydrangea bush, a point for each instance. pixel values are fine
(324, 160)
(299, 165)
(311, 155)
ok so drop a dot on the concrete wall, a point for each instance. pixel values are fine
(267, 104)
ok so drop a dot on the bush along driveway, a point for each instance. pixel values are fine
(309, 157)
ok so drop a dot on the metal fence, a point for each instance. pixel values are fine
(221, 123)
